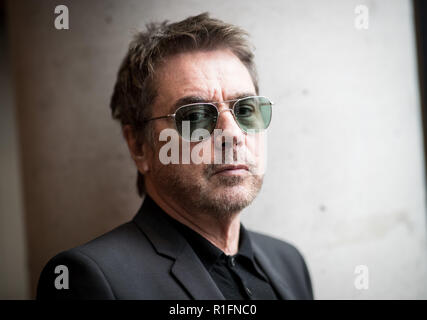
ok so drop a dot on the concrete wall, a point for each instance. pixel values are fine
(345, 176)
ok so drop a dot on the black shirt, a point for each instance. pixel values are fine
(238, 277)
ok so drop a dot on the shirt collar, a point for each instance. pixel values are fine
(207, 252)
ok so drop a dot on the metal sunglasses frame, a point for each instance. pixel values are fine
(173, 115)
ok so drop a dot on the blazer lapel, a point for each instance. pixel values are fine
(187, 268)
(191, 273)
(278, 280)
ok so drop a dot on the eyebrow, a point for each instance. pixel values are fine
(199, 99)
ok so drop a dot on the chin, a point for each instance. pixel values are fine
(234, 198)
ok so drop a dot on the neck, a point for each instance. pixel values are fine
(221, 232)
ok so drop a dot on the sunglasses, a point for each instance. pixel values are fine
(252, 114)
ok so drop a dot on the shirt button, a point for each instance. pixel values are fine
(249, 292)
(232, 262)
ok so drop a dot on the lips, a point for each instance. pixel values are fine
(232, 169)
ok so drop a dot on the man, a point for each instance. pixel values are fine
(197, 79)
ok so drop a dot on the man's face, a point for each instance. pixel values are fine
(206, 188)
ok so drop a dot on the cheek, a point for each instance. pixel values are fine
(201, 152)
(256, 143)
(256, 148)
(181, 158)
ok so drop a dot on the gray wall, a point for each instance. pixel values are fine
(13, 258)
(345, 175)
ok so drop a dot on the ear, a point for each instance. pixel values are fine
(138, 151)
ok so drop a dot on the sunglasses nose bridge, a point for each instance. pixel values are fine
(230, 125)
(223, 110)
(232, 114)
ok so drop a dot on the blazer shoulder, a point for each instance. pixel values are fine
(116, 241)
(86, 269)
(58, 280)
(271, 244)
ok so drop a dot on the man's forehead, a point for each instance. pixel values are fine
(201, 72)
(212, 76)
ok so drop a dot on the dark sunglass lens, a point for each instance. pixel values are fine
(196, 122)
(253, 113)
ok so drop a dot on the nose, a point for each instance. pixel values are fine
(230, 130)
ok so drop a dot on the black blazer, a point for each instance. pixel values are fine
(147, 258)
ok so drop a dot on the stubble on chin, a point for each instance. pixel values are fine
(203, 192)
(232, 195)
